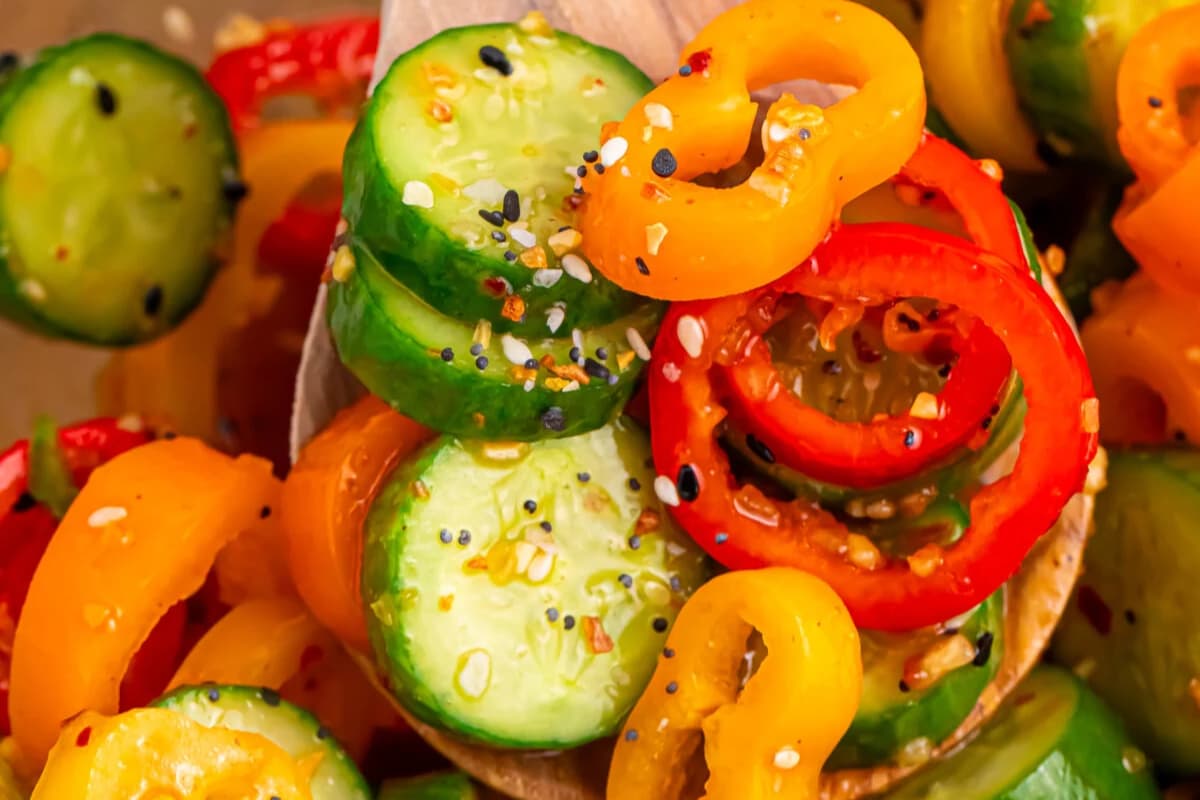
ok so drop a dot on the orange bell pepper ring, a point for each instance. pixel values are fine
(140, 537)
(769, 738)
(153, 752)
(1156, 222)
(1144, 350)
(650, 229)
(325, 501)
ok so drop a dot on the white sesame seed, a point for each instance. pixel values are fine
(625, 171)
(577, 268)
(521, 235)
(555, 317)
(613, 150)
(475, 674)
(778, 132)
(691, 335)
(178, 24)
(664, 487)
(418, 193)
(573, 386)
(654, 237)
(637, 343)
(529, 384)
(787, 758)
(539, 570)
(577, 338)
(33, 290)
(545, 278)
(131, 423)
(106, 515)
(488, 191)
(659, 116)
(515, 350)
(671, 371)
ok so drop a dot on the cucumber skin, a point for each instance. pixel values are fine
(1142, 669)
(436, 786)
(401, 371)
(441, 271)
(12, 304)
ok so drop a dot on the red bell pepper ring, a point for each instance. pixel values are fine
(875, 453)
(330, 61)
(742, 528)
(26, 527)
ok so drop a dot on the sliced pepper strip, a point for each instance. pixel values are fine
(154, 752)
(875, 453)
(742, 528)
(1156, 222)
(769, 739)
(140, 537)
(325, 501)
(651, 230)
(330, 61)
(1145, 357)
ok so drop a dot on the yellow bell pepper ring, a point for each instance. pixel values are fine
(769, 738)
(156, 753)
(650, 229)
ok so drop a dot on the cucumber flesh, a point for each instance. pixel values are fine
(398, 347)
(119, 189)
(459, 134)
(1051, 739)
(436, 786)
(1132, 627)
(516, 627)
(261, 711)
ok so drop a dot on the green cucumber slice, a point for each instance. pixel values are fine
(397, 345)
(416, 186)
(261, 711)
(1064, 70)
(118, 193)
(1051, 739)
(1133, 627)
(435, 786)
(512, 596)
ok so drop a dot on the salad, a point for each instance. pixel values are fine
(702, 436)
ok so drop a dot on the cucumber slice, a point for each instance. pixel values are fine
(1133, 626)
(517, 121)
(119, 189)
(513, 596)
(261, 711)
(1051, 739)
(436, 786)
(1064, 64)
(398, 347)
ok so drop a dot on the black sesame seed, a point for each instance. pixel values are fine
(987, 423)
(481, 362)
(631, 735)
(568, 622)
(641, 265)
(1155, 102)
(494, 57)
(599, 169)
(447, 354)
(595, 369)
(269, 696)
(106, 101)
(613, 379)
(499, 236)
(591, 156)
(910, 439)
(635, 484)
(687, 483)
(552, 614)
(908, 322)
(574, 354)
(831, 367)
(531, 363)
(509, 255)
(676, 584)
(934, 314)
(476, 349)
(721, 538)
(685, 70)
(983, 648)
(322, 732)
(1130, 616)
(659, 625)
(531, 506)
(264, 512)
(554, 419)
(512, 205)
(995, 409)
(24, 502)
(235, 190)
(602, 353)
(945, 371)
(581, 171)
(494, 217)
(214, 694)
(152, 301)
(583, 477)
(8, 61)
(672, 687)
(904, 687)
(805, 133)
(664, 163)
(464, 537)
(635, 542)
(625, 580)
(759, 448)
(668, 652)
(446, 536)
(170, 435)
(546, 526)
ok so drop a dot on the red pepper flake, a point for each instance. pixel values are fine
(571, 372)
(496, 287)
(598, 641)
(189, 130)
(440, 110)
(310, 655)
(652, 191)
(479, 419)
(1194, 690)
(647, 521)
(1037, 14)
(572, 203)
(61, 252)
(445, 602)
(478, 563)
(608, 130)
(1022, 699)
(420, 490)
(514, 308)
(84, 737)
(701, 60)
(1094, 609)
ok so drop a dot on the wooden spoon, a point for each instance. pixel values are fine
(652, 33)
